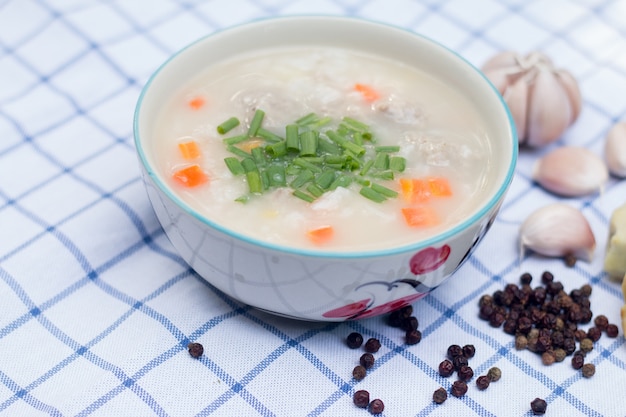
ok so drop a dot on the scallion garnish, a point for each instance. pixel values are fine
(228, 125)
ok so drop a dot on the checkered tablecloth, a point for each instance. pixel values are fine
(96, 308)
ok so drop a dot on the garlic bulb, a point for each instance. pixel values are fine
(543, 100)
(570, 171)
(558, 230)
(615, 150)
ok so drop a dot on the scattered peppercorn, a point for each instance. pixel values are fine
(359, 372)
(409, 323)
(601, 322)
(195, 349)
(578, 360)
(526, 278)
(589, 369)
(454, 351)
(594, 333)
(482, 382)
(413, 337)
(458, 389)
(440, 395)
(446, 368)
(560, 354)
(494, 374)
(372, 345)
(459, 361)
(354, 340)
(612, 331)
(548, 358)
(547, 277)
(521, 342)
(538, 406)
(376, 406)
(586, 345)
(469, 351)
(465, 373)
(570, 260)
(361, 398)
(367, 360)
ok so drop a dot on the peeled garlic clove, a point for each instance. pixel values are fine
(558, 230)
(571, 171)
(516, 97)
(549, 111)
(615, 150)
(570, 85)
(506, 59)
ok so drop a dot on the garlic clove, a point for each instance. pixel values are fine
(506, 59)
(516, 97)
(570, 85)
(549, 111)
(615, 150)
(558, 230)
(570, 171)
(499, 77)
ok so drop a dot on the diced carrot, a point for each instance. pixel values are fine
(197, 102)
(368, 93)
(414, 189)
(420, 216)
(321, 235)
(189, 150)
(190, 176)
(439, 186)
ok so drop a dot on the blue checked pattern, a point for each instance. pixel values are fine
(96, 309)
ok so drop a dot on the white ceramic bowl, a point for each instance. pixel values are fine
(319, 285)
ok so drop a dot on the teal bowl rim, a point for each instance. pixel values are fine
(396, 250)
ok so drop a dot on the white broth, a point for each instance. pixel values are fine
(439, 133)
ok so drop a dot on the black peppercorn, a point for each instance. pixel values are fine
(440, 395)
(494, 374)
(578, 361)
(482, 382)
(465, 373)
(548, 358)
(586, 345)
(413, 337)
(372, 345)
(354, 340)
(521, 342)
(586, 290)
(367, 360)
(469, 351)
(459, 361)
(601, 322)
(454, 351)
(594, 333)
(547, 277)
(538, 406)
(394, 319)
(359, 372)
(459, 388)
(612, 331)
(589, 369)
(409, 323)
(525, 278)
(195, 349)
(361, 398)
(376, 406)
(446, 368)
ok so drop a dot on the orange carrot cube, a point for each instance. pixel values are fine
(368, 93)
(420, 216)
(189, 150)
(190, 176)
(321, 235)
(196, 103)
(439, 187)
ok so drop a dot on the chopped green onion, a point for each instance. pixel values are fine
(370, 194)
(265, 180)
(303, 177)
(308, 165)
(303, 196)
(387, 192)
(255, 183)
(235, 139)
(276, 175)
(276, 150)
(358, 138)
(321, 122)
(307, 119)
(255, 124)
(340, 181)
(228, 125)
(397, 163)
(345, 143)
(268, 136)
(259, 156)
(381, 161)
(308, 143)
(315, 190)
(234, 165)
(385, 175)
(354, 124)
(366, 168)
(293, 140)
(325, 179)
(328, 147)
(243, 199)
(239, 152)
(389, 149)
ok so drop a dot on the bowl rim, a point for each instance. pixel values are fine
(446, 234)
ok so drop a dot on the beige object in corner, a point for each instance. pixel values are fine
(615, 258)
(624, 306)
